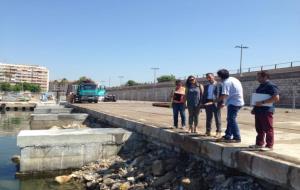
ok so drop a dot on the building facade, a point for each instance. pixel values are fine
(33, 74)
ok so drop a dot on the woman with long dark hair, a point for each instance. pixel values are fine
(194, 92)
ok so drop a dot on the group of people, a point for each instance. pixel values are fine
(227, 92)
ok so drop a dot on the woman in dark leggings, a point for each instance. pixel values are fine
(194, 92)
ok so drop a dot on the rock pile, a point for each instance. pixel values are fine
(147, 166)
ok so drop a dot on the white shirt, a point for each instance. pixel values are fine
(232, 87)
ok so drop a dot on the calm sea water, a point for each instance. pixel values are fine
(10, 124)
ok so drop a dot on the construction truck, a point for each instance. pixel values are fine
(86, 92)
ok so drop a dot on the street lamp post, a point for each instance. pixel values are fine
(120, 77)
(155, 69)
(241, 56)
(109, 82)
(102, 82)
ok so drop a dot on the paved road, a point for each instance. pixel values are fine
(286, 123)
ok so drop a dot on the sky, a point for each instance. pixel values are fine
(104, 39)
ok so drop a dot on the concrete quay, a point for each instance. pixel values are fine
(280, 166)
(51, 110)
(46, 150)
(46, 121)
(17, 106)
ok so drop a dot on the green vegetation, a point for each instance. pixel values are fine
(131, 83)
(166, 78)
(84, 79)
(7, 87)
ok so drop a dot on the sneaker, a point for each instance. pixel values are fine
(267, 148)
(255, 146)
(233, 141)
(223, 139)
(184, 128)
(208, 133)
(218, 135)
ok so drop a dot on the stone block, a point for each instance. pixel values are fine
(152, 131)
(294, 177)
(44, 117)
(69, 136)
(46, 121)
(229, 156)
(191, 144)
(270, 169)
(52, 110)
(109, 150)
(212, 150)
(130, 125)
(52, 163)
(166, 136)
(73, 116)
(243, 161)
(68, 148)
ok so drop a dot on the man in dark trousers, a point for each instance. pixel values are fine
(263, 111)
(232, 94)
(212, 92)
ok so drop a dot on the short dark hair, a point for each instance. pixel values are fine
(207, 74)
(264, 74)
(223, 74)
(178, 82)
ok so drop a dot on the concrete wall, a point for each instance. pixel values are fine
(46, 121)
(43, 150)
(283, 173)
(287, 79)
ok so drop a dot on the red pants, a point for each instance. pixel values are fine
(264, 127)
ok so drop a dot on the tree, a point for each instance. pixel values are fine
(166, 78)
(131, 83)
(26, 86)
(35, 88)
(16, 87)
(5, 86)
(84, 79)
(63, 84)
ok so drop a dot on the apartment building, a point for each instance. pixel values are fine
(34, 74)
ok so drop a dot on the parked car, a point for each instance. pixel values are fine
(110, 98)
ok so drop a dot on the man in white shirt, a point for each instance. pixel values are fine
(232, 94)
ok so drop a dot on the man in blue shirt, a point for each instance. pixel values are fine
(264, 113)
(212, 105)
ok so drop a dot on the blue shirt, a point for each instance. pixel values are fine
(266, 88)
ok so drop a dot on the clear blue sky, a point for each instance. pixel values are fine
(108, 38)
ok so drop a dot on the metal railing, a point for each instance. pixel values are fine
(289, 64)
